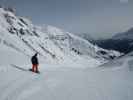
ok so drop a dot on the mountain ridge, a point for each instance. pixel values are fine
(50, 42)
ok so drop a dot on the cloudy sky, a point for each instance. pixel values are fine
(100, 18)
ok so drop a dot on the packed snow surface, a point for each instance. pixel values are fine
(111, 81)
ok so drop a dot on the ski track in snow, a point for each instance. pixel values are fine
(28, 85)
(61, 83)
(64, 85)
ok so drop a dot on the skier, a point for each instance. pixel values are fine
(35, 63)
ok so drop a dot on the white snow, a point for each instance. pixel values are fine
(112, 81)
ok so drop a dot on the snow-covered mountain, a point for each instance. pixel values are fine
(52, 44)
(122, 42)
(124, 35)
(86, 36)
(20, 39)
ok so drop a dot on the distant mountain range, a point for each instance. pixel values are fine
(122, 42)
(127, 35)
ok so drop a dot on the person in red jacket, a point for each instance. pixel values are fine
(35, 63)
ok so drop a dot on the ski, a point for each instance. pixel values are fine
(23, 69)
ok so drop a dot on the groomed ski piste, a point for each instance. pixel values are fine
(111, 81)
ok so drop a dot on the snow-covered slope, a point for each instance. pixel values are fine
(122, 42)
(52, 44)
(111, 81)
(86, 36)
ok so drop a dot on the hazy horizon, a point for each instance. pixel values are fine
(99, 18)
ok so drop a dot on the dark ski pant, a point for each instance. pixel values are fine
(35, 67)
